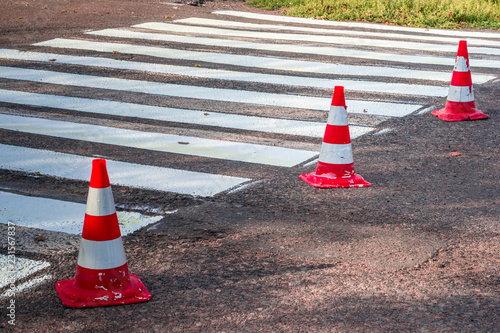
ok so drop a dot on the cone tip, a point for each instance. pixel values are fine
(462, 49)
(99, 176)
(338, 96)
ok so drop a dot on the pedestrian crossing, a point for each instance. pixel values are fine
(323, 39)
(78, 167)
(356, 25)
(178, 144)
(245, 88)
(395, 57)
(219, 74)
(197, 92)
(383, 35)
(26, 211)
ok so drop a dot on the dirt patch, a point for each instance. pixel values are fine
(340, 240)
(40, 241)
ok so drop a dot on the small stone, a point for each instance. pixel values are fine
(40, 239)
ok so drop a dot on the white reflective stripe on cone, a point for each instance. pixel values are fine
(100, 202)
(461, 65)
(101, 255)
(335, 153)
(461, 94)
(337, 116)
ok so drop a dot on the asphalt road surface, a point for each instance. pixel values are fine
(207, 114)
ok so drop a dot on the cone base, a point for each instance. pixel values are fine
(327, 181)
(459, 111)
(76, 297)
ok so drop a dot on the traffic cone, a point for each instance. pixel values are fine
(460, 102)
(335, 167)
(102, 276)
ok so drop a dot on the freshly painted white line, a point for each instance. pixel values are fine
(171, 4)
(219, 74)
(254, 61)
(16, 268)
(405, 36)
(292, 48)
(315, 161)
(204, 93)
(373, 26)
(120, 173)
(243, 187)
(341, 40)
(179, 144)
(207, 118)
(384, 131)
(39, 280)
(427, 110)
(60, 216)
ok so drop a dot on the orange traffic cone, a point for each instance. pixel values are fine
(336, 166)
(460, 102)
(102, 276)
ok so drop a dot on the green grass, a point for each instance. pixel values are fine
(444, 14)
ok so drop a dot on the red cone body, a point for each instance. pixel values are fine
(336, 166)
(102, 276)
(460, 103)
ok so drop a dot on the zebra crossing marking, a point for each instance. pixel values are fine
(19, 268)
(300, 66)
(237, 24)
(342, 40)
(292, 48)
(178, 144)
(207, 118)
(39, 280)
(371, 26)
(219, 74)
(78, 167)
(204, 93)
(60, 216)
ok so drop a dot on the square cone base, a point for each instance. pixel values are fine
(328, 181)
(445, 115)
(76, 297)
(459, 111)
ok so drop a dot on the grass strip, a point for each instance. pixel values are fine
(441, 14)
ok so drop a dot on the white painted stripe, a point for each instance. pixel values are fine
(101, 255)
(461, 94)
(100, 202)
(126, 174)
(336, 40)
(226, 95)
(234, 151)
(208, 118)
(60, 216)
(461, 64)
(219, 74)
(337, 116)
(289, 19)
(315, 161)
(14, 268)
(243, 187)
(405, 36)
(292, 48)
(331, 153)
(254, 61)
(35, 282)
